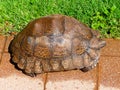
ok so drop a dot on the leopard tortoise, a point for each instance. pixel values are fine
(56, 43)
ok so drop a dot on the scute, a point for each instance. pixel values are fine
(42, 47)
(79, 46)
(56, 43)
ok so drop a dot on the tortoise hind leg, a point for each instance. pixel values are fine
(85, 69)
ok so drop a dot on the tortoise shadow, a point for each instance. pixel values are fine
(11, 61)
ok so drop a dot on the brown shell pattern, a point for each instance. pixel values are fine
(56, 43)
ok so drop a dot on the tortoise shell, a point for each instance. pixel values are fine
(56, 43)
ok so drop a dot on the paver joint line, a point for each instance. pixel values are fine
(45, 81)
(108, 56)
(3, 49)
(98, 77)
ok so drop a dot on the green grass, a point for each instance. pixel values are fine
(102, 15)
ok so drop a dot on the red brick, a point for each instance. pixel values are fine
(13, 79)
(109, 73)
(2, 43)
(112, 48)
(9, 39)
(0, 57)
(72, 80)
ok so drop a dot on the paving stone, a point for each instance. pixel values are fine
(72, 80)
(0, 57)
(112, 48)
(2, 42)
(9, 39)
(13, 79)
(109, 73)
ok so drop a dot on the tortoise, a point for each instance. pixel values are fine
(56, 43)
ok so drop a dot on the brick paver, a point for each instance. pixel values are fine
(9, 39)
(110, 73)
(13, 79)
(111, 48)
(2, 46)
(2, 42)
(106, 76)
(72, 80)
(0, 57)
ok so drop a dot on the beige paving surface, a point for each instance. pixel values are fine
(106, 76)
